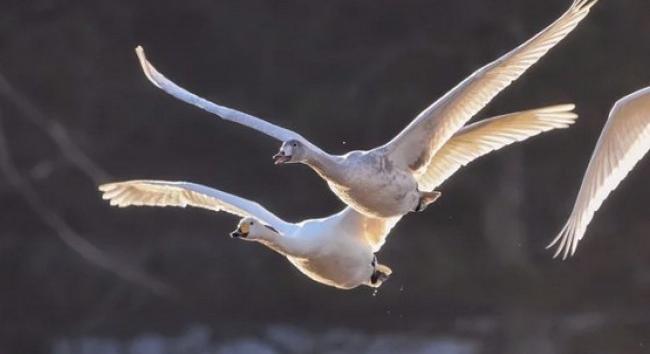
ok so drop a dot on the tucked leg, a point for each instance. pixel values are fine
(427, 198)
(380, 275)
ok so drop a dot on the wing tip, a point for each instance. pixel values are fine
(583, 5)
(566, 242)
(558, 108)
(139, 51)
(107, 187)
(560, 116)
(149, 70)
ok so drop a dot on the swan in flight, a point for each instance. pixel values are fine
(624, 141)
(395, 178)
(339, 250)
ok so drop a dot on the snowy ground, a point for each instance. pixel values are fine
(275, 339)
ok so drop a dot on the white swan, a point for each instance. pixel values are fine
(336, 250)
(624, 141)
(393, 179)
(339, 250)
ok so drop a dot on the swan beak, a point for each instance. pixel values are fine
(238, 234)
(280, 158)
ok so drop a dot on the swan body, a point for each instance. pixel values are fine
(339, 250)
(342, 259)
(394, 179)
(624, 141)
(394, 193)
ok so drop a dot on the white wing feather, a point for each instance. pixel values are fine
(373, 230)
(160, 81)
(624, 141)
(183, 194)
(427, 133)
(489, 135)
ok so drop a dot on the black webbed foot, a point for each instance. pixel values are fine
(378, 277)
(380, 274)
(426, 198)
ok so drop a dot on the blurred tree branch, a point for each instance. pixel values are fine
(55, 130)
(65, 232)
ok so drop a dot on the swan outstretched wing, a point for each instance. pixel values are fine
(431, 129)
(182, 194)
(624, 141)
(488, 135)
(160, 81)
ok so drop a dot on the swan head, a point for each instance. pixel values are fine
(291, 151)
(252, 229)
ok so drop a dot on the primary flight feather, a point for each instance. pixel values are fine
(624, 141)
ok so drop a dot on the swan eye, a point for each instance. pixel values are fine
(294, 144)
(252, 223)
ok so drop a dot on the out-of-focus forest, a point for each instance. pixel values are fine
(471, 274)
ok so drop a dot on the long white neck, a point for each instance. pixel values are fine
(285, 245)
(327, 166)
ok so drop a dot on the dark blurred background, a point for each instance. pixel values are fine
(470, 274)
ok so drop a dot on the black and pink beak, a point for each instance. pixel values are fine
(280, 158)
(238, 234)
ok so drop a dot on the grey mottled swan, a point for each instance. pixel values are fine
(400, 176)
